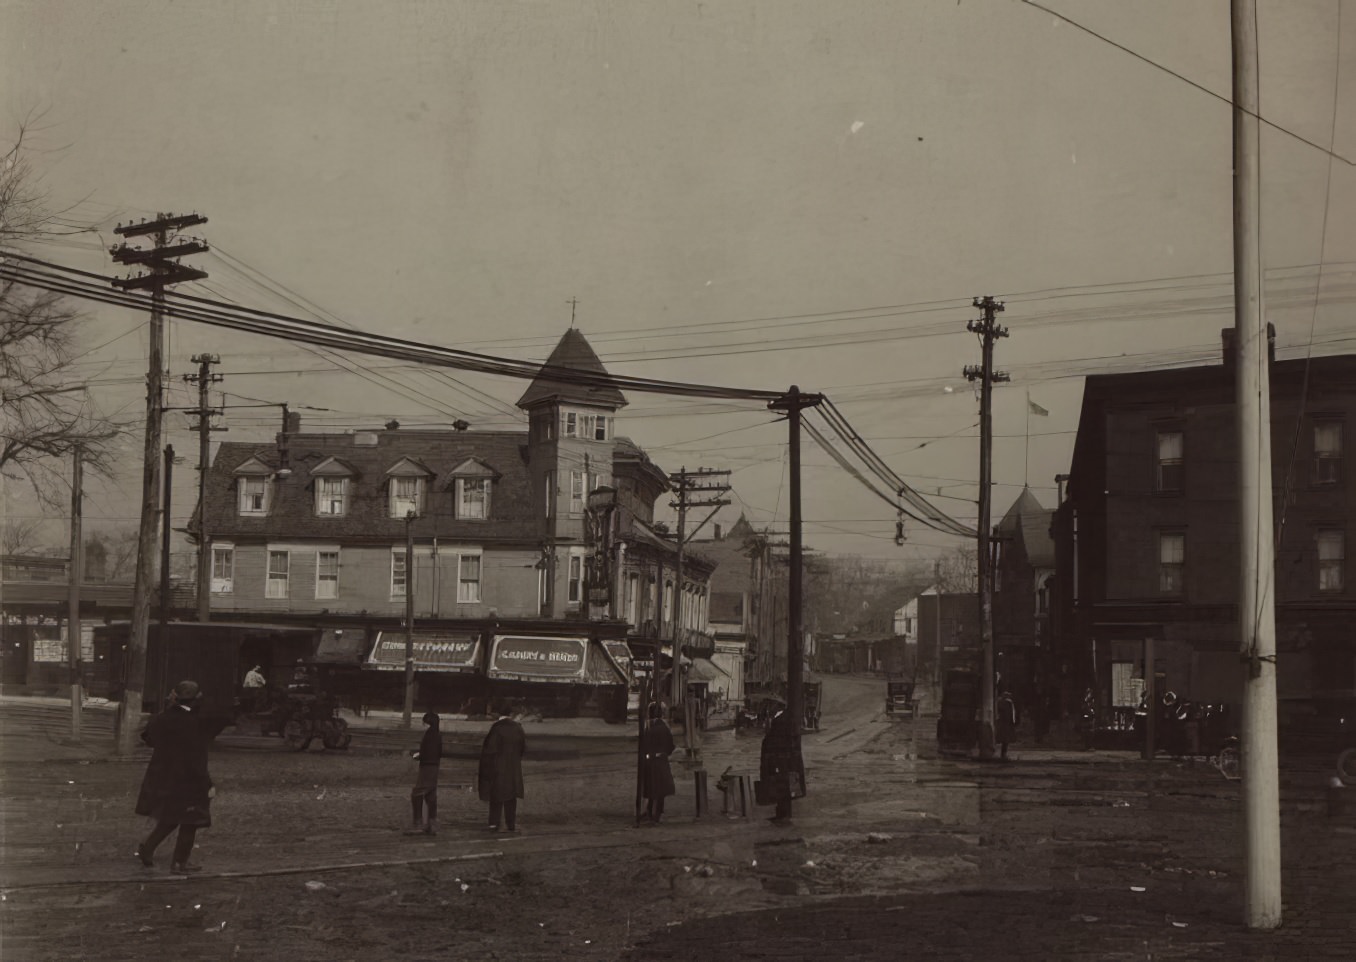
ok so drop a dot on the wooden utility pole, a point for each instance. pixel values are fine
(204, 379)
(1257, 575)
(409, 617)
(163, 616)
(937, 634)
(696, 489)
(73, 587)
(986, 375)
(164, 270)
(793, 402)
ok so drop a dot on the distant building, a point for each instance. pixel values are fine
(1024, 577)
(1147, 536)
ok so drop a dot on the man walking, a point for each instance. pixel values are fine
(177, 790)
(501, 770)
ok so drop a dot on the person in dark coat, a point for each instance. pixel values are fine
(425, 791)
(656, 745)
(781, 762)
(177, 790)
(1005, 721)
(501, 770)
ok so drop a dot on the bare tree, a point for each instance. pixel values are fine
(959, 571)
(47, 405)
(20, 535)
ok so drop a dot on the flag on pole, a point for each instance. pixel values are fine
(1036, 409)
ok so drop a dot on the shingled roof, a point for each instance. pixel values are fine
(572, 352)
(291, 514)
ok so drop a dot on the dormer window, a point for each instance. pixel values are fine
(406, 481)
(252, 487)
(333, 483)
(473, 499)
(406, 496)
(331, 496)
(254, 495)
(472, 483)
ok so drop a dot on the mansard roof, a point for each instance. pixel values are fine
(572, 353)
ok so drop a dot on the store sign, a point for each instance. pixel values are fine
(433, 651)
(538, 659)
(620, 653)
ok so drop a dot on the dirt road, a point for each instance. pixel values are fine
(1041, 858)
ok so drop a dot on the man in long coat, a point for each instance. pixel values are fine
(656, 745)
(501, 770)
(781, 763)
(177, 790)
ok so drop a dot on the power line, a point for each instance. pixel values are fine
(1189, 82)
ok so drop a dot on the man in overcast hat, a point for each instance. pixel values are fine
(177, 791)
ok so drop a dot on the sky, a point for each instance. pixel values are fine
(743, 193)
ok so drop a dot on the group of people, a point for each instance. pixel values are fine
(781, 768)
(177, 789)
(499, 779)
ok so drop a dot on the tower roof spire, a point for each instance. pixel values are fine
(573, 352)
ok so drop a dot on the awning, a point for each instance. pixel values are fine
(620, 653)
(433, 651)
(704, 669)
(533, 658)
(343, 646)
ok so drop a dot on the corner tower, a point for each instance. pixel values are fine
(571, 431)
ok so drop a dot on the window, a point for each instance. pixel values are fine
(405, 494)
(1332, 550)
(632, 597)
(253, 495)
(578, 480)
(473, 498)
(1169, 477)
(550, 494)
(327, 574)
(600, 428)
(223, 569)
(331, 496)
(571, 425)
(1171, 562)
(575, 592)
(399, 580)
(1327, 452)
(468, 579)
(668, 601)
(278, 564)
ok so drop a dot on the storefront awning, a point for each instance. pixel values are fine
(532, 658)
(344, 646)
(620, 654)
(433, 651)
(704, 669)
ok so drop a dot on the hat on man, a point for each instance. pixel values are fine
(186, 691)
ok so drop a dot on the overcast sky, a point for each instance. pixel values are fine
(745, 193)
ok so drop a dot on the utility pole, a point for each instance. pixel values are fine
(409, 616)
(164, 270)
(1257, 563)
(793, 402)
(937, 639)
(988, 332)
(73, 589)
(204, 379)
(702, 488)
(165, 567)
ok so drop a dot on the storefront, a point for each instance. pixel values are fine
(559, 675)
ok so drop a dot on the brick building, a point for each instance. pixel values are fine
(1147, 536)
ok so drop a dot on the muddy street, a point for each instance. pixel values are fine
(307, 858)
